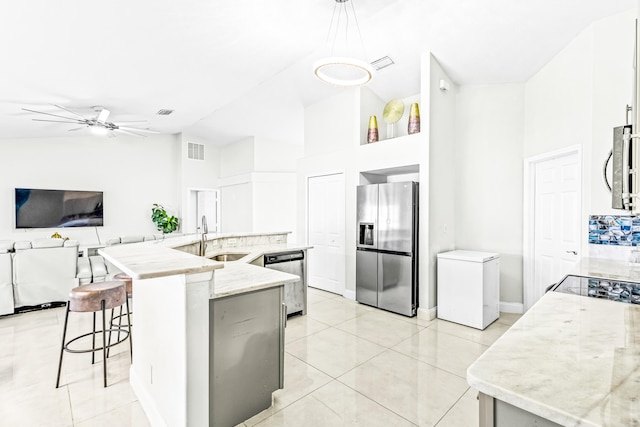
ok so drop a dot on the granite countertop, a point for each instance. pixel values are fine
(158, 258)
(573, 360)
(142, 261)
(607, 268)
(238, 277)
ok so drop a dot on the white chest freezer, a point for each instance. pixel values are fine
(468, 287)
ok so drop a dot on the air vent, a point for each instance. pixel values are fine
(164, 112)
(195, 151)
(381, 63)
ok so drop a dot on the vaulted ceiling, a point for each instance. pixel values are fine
(232, 69)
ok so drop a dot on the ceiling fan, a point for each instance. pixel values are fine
(98, 124)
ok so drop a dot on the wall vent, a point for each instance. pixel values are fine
(195, 151)
(381, 63)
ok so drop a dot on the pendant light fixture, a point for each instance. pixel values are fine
(343, 66)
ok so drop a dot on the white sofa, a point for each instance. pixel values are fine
(6, 278)
(43, 271)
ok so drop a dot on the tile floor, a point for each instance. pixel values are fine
(345, 364)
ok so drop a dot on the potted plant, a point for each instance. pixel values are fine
(165, 223)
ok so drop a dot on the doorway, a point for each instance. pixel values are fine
(325, 232)
(552, 219)
(203, 202)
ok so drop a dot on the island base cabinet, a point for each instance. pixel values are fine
(246, 349)
(496, 413)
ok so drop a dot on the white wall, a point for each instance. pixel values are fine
(577, 98)
(488, 178)
(132, 172)
(257, 183)
(444, 167)
(196, 175)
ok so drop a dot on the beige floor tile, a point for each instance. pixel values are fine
(315, 292)
(302, 326)
(36, 405)
(444, 351)
(332, 351)
(334, 311)
(130, 414)
(335, 405)
(380, 327)
(487, 336)
(509, 318)
(300, 379)
(465, 412)
(89, 398)
(412, 389)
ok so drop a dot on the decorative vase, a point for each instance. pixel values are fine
(414, 119)
(372, 132)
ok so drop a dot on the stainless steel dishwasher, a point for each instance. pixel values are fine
(295, 293)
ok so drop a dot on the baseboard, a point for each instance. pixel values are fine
(148, 406)
(427, 313)
(511, 307)
(349, 294)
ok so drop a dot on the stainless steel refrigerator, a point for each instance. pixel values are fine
(387, 246)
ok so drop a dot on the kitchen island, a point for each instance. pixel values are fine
(569, 361)
(180, 339)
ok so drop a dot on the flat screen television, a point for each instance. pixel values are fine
(36, 208)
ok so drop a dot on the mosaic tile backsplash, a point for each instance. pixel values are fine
(614, 230)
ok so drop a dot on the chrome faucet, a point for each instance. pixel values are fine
(203, 238)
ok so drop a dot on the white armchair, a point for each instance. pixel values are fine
(44, 271)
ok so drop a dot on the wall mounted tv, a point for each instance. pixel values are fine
(37, 208)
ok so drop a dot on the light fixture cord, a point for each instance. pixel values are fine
(355, 17)
(335, 18)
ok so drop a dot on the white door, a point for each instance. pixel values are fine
(557, 221)
(325, 230)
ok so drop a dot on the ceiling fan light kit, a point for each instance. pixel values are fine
(98, 125)
(343, 70)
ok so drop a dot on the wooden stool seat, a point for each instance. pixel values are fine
(93, 298)
(122, 277)
(88, 298)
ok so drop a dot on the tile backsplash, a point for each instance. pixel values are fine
(614, 230)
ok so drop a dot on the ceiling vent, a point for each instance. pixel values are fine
(164, 112)
(195, 151)
(381, 63)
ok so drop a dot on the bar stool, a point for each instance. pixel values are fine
(122, 277)
(93, 298)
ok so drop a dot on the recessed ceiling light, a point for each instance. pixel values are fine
(164, 112)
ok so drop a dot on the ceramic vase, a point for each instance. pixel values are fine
(414, 119)
(372, 132)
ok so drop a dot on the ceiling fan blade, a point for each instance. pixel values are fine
(69, 111)
(82, 127)
(49, 114)
(138, 129)
(104, 114)
(56, 121)
(127, 132)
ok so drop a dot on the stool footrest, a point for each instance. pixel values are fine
(93, 350)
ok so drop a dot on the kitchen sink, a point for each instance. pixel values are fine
(229, 256)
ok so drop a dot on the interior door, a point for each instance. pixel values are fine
(325, 231)
(557, 220)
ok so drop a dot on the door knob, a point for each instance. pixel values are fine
(572, 252)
